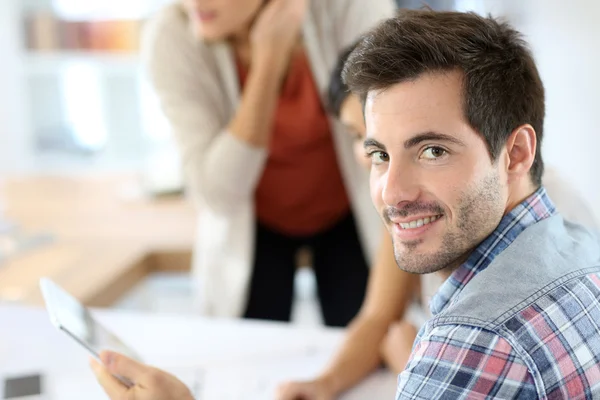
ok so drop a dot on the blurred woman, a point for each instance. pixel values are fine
(241, 83)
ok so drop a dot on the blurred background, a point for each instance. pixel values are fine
(72, 92)
(85, 153)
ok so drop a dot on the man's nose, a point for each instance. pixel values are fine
(400, 185)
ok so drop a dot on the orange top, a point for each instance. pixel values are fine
(301, 191)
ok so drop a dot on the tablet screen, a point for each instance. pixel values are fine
(72, 317)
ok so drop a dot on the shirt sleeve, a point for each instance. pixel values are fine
(460, 362)
(220, 169)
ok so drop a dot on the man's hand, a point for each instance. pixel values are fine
(150, 383)
(397, 345)
(309, 390)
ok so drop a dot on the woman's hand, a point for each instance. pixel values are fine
(397, 345)
(150, 383)
(276, 31)
(317, 389)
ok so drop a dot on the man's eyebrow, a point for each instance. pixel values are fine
(421, 137)
(370, 142)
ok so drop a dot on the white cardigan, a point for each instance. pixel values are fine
(198, 89)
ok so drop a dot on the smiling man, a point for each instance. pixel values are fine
(454, 109)
(448, 197)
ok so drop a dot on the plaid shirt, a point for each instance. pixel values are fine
(560, 332)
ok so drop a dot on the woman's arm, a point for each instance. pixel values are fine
(274, 35)
(389, 291)
(219, 168)
(222, 159)
(253, 119)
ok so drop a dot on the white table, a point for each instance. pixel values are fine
(238, 355)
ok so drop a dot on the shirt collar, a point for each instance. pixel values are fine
(535, 208)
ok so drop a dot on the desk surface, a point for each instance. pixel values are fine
(240, 351)
(106, 235)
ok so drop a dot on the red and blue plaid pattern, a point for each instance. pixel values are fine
(559, 335)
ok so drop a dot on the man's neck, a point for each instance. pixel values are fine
(517, 193)
(448, 270)
(515, 198)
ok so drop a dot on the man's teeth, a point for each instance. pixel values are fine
(419, 222)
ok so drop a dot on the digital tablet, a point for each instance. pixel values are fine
(70, 316)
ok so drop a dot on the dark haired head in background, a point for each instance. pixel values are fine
(347, 107)
(338, 90)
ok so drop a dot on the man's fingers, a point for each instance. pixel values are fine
(111, 385)
(123, 366)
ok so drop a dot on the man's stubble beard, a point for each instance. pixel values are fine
(479, 213)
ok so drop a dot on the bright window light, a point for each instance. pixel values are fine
(105, 9)
(82, 101)
(154, 123)
(477, 6)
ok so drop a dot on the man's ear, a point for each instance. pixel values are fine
(521, 148)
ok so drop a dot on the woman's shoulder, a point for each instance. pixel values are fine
(341, 8)
(171, 16)
(170, 23)
(167, 35)
(348, 19)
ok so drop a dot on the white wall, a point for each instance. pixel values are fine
(15, 148)
(564, 37)
(31, 98)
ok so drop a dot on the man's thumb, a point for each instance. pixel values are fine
(118, 364)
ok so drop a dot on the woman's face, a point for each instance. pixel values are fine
(219, 19)
(351, 115)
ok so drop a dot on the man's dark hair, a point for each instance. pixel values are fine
(338, 90)
(502, 88)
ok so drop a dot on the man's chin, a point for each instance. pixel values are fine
(428, 263)
(420, 262)
(419, 269)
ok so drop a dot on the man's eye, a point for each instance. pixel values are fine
(433, 153)
(378, 157)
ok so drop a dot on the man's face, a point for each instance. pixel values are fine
(432, 178)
